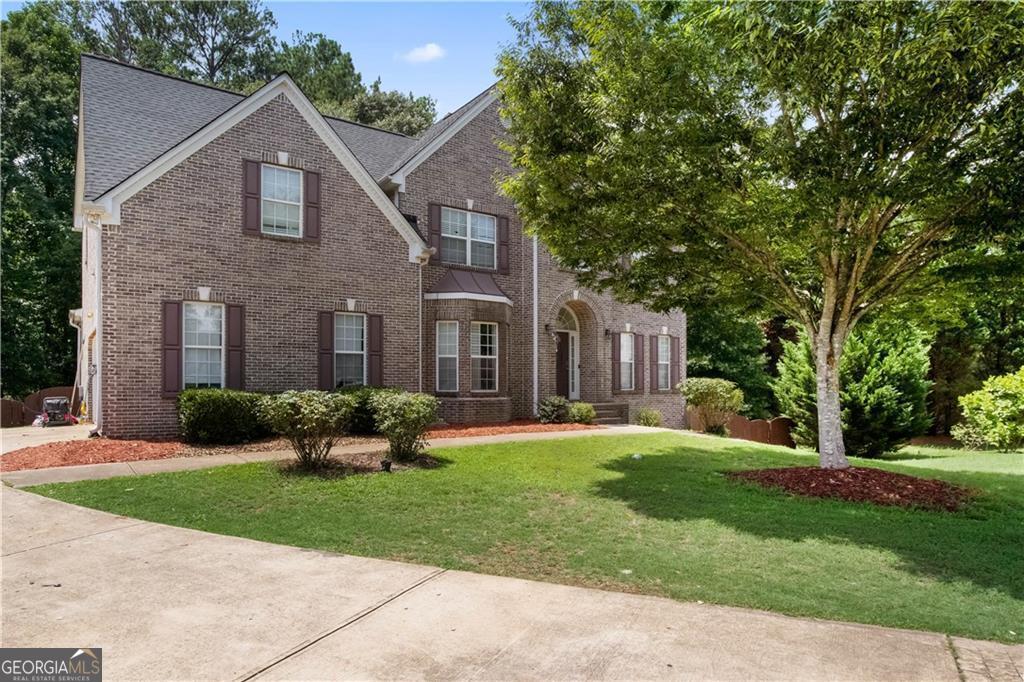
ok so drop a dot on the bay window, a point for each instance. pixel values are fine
(484, 355)
(447, 356)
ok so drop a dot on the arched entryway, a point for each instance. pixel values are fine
(567, 354)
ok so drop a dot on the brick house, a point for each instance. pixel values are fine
(250, 242)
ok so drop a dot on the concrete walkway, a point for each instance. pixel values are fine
(172, 603)
(84, 472)
(17, 437)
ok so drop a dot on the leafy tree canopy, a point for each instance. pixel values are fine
(805, 159)
(40, 252)
(392, 110)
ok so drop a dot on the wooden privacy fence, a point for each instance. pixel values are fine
(22, 412)
(775, 431)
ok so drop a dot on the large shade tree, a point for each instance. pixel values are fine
(808, 159)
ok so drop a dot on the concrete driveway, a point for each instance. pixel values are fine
(171, 603)
(17, 437)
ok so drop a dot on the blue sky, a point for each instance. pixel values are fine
(445, 50)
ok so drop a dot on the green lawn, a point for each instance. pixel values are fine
(954, 459)
(583, 511)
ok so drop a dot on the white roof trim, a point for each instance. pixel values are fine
(466, 296)
(399, 174)
(282, 85)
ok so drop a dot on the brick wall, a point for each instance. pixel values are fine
(184, 231)
(465, 170)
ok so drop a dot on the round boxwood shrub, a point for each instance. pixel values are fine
(312, 421)
(220, 416)
(582, 413)
(647, 416)
(994, 415)
(553, 410)
(404, 418)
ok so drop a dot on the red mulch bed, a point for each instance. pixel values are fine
(93, 451)
(861, 484)
(498, 428)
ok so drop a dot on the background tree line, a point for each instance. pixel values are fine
(227, 44)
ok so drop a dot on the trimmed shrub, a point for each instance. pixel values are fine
(715, 400)
(647, 416)
(221, 416)
(312, 421)
(403, 418)
(883, 373)
(993, 416)
(363, 422)
(582, 413)
(553, 410)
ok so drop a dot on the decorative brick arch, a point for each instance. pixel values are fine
(575, 295)
(594, 378)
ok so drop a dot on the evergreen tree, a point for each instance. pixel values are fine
(884, 392)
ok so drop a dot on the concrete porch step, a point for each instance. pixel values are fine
(611, 413)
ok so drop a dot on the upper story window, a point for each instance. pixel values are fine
(204, 345)
(664, 361)
(484, 355)
(349, 349)
(468, 238)
(626, 361)
(281, 200)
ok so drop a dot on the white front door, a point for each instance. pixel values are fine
(574, 365)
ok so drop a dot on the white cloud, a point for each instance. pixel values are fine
(424, 53)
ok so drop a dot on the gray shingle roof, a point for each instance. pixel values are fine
(131, 116)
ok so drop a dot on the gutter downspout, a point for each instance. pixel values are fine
(536, 323)
(419, 323)
(97, 400)
(421, 260)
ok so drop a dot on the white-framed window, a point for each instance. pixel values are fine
(664, 362)
(349, 349)
(281, 200)
(468, 238)
(447, 356)
(483, 353)
(626, 361)
(204, 345)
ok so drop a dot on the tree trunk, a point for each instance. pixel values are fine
(831, 449)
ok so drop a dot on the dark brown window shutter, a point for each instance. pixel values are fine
(325, 351)
(251, 197)
(434, 219)
(503, 245)
(170, 349)
(654, 363)
(375, 350)
(311, 228)
(638, 363)
(674, 369)
(235, 370)
(616, 361)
